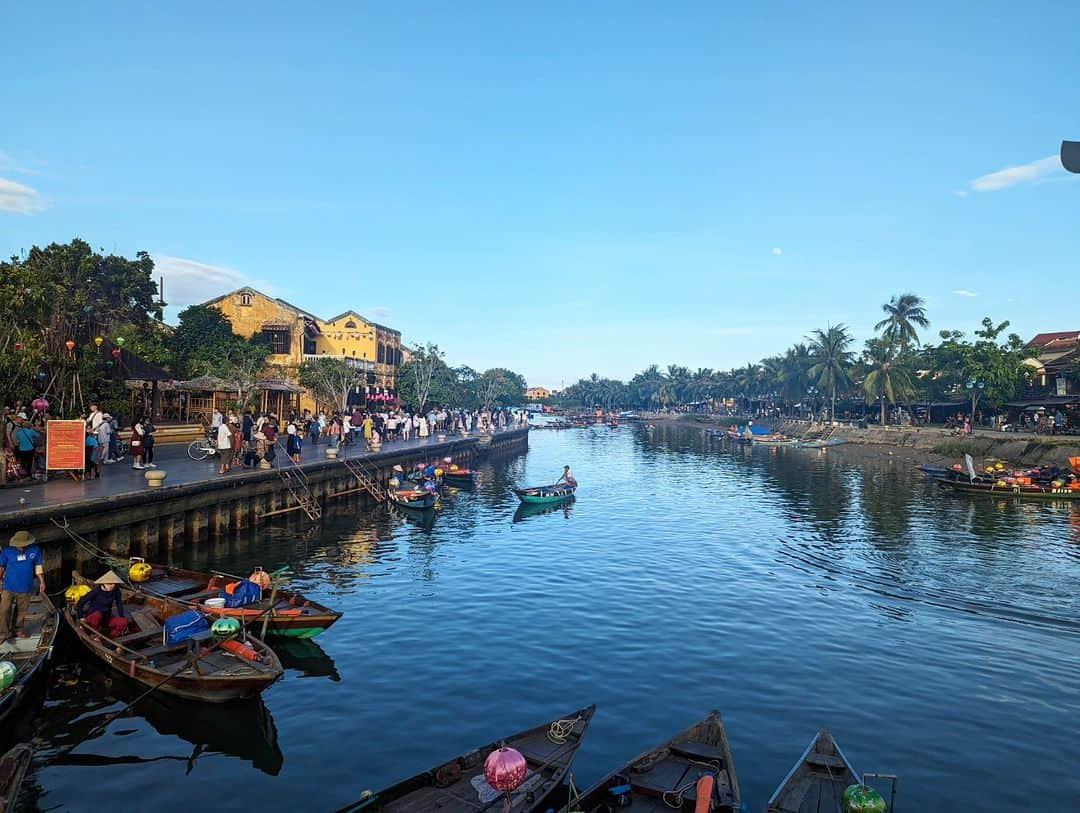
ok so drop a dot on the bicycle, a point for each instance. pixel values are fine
(202, 448)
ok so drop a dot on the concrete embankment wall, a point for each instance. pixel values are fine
(1022, 450)
(157, 523)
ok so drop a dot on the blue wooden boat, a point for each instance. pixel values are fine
(29, 655)
(545, 495)
(418, 499)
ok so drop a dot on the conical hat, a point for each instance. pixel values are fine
(109, 578)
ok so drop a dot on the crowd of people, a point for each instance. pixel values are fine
(242, 440)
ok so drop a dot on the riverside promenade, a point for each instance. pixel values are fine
(122, 515)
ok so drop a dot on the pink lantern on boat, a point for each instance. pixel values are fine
(505, 769)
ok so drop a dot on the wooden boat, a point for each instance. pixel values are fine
(459, 477)
(774, 440)
(545, 495)
(293, 615)
(458, 786)
(817, 782)
(665, 778)
(13, 767)
(216, 677)
(30, 655)
(1034, 491)
(819, 443)
(417, 499)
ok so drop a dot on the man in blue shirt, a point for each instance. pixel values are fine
(20, 567)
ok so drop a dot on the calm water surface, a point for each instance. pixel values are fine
(938, 637)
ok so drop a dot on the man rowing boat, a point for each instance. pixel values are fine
(567, 477)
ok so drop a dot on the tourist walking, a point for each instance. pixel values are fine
(104, 438)
(91, 464)
(148, 442)
(20, 566)
(293, 442)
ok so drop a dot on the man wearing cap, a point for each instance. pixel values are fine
(20, 567)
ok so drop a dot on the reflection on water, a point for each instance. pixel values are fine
(935, 634)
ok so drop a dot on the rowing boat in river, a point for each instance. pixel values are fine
(545, 495)
(817, 781)
(417, 499)
(1033, 491)
(459, 786)
(670, 776)
(13, 766)
(294, 615)
(233, 671)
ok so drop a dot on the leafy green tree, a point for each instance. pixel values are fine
(331, 379)
(904, 313)
(202, 339)
(499, 387)
(887, 377)
(832, 358)
(986, 368)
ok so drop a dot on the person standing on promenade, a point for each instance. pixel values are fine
(406, 427)
(138, 436)
(104, 435)
(216, 419)
(293, 441)
(148, 442)
(20, 566)
(95, 418)
(92, 465)
(224, 446)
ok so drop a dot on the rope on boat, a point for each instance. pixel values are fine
(561, 730)
(88, 546)
(674, 798)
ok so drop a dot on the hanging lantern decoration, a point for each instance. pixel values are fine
(18, 346)
(98, 341)
(505, 769)
(42, 376)
(40, 405)
(116, 353)
(120, 340)
(109, 364)
(70, 345)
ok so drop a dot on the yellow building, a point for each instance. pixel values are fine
(537, 394)
(296, 336)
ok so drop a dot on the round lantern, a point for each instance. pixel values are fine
(98, 341)
(40, 405)
(76, 592)
(120, 340)
(862, 799)
(505, 769)
(18, 345)
(140, 572)
(70, 345)
(8, 673)
(225, 627)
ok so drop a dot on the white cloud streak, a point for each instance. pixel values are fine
(189, 282)
(964, 292)
(18, 198)
(1035, 172)
(9, 164)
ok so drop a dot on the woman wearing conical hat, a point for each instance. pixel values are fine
(96, 607)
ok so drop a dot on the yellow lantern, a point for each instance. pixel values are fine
(76, 592)
(99, 341)
(140, 572)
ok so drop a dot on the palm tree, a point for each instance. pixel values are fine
(904, 312)
(829, 350)
(795, 372)
(887, 378)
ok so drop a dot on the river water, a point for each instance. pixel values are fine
(937, 637)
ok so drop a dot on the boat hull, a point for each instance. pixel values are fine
(458, 786)
(817, 781)
(30, 656)
(1025, 492)
(294, 616)
(544, 495)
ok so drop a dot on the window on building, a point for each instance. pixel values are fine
(309, 347)
(382, 353)
(279, 341)
(245, 299)
(350, 325)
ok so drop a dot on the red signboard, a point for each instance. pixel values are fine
(65, 445)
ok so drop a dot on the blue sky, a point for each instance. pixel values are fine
(564, 188)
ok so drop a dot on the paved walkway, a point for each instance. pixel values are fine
(120, 478)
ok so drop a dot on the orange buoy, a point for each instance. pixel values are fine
(704, 794)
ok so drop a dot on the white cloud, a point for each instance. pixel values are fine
(1034, 172)
(188, 282)
(20, 199)
(9, 164)
(380, 313)
(777, 251)
(964, 292)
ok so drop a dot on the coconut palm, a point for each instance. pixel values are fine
(795, 372)
(832, 358)
(887, 378)
(904, 312)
